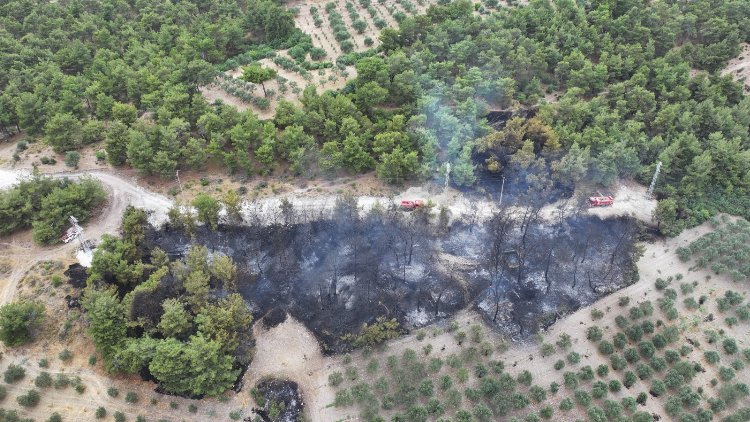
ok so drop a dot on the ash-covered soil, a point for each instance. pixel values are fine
(335, 275)
(281, 400)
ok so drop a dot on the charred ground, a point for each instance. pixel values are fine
(339, 273)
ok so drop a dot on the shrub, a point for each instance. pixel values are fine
(634, 333)
(635, 313)
(547, 349)
(658, 364)
(343, 398)
(599, 390)
(426, 388)
(43, 380)
(662, 284)
(43, 363)
(631, 355)
(131, 397)
(619, 341)
(582, 398)
(671, 356)
(657, 388)
(61, 381)
(462, 375)
(726, 374)
(644, 371)
(30, 399)
(614, 386)
(629, 379)
(537, 393)
(54, 417)
(564, 341)
(621, 321)
(480, 371)
(570, 380)
(606, 348)
(119, 416)
(65, 355)
(586, 373)
(573, 358)
(559, 364)
(519, 401)
(659, 341)
(566, 405)
(524, 378)
(642, 398)
(596, 314)
(711, 356)
(617, 362)
(646, 349)
(623, 301)
(729, 345)
(594, 333)
(72, 158)
(446, 382)
(18, 320)
(554, 387)
(602, 370)
(13, 374)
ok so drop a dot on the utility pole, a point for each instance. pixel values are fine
(502, 188)
(653, 180)
(79, 234)
(178, 180)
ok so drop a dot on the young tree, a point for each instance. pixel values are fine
(258, 74)
(175, 321)
(197, 367)
(19, 320)
(107, 324)
(226, 322)
(208, 210)
(63, 132)
(72, 158)
(231, 202)
(223, 268)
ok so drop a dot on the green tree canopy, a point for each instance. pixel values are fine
(19, 321)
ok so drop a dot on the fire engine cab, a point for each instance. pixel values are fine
(601, 201)
(409, 204)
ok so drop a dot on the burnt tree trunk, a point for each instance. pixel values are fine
(585, 249)
(546, 270)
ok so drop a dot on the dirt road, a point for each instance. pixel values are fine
(121, 193)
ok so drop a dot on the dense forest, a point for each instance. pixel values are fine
(45, 204)
(180, 322)
(638, 83)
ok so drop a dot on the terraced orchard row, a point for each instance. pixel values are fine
(338, 33)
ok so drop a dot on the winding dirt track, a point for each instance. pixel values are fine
(120, 193)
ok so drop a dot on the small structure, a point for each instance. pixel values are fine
(73, 231)
(601, 201)
(412, 204)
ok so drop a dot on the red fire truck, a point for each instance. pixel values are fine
(601, 201)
